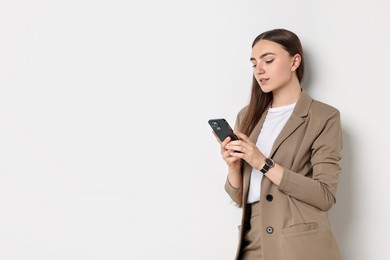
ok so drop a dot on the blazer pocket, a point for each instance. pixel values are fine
(301, 229)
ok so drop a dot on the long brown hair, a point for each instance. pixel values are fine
(260, 101)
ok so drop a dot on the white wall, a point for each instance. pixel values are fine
(105, 151)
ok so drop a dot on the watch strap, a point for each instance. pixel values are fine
(269, 163)
(265, 169)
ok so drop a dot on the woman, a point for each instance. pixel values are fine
(284, 169)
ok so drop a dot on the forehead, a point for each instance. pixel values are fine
(265, 46)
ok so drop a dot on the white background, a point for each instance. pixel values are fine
(105, 150)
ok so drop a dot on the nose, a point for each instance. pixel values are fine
(259, 69)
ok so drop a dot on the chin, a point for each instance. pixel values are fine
(266, 89)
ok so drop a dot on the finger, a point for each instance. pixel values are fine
(239, 145)
(233, 148)
(237, 154)
(225, 154)
(232, 160)
(241, 136)
(226, 141)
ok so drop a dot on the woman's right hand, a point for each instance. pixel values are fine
(233, 163)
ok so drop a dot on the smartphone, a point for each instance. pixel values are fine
(222, 128)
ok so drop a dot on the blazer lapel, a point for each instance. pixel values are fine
(297, 118)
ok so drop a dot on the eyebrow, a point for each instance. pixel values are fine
(263, 55)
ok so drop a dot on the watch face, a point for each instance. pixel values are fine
(269, 162)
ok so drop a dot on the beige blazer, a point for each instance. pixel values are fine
(294, 216)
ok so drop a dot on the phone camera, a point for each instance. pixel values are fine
(215, 126)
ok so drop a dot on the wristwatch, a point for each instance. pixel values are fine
(269, 163)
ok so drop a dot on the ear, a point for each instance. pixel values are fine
(296, 61)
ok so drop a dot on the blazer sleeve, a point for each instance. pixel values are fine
(236, 194)
(318, 188)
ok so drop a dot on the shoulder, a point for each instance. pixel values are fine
(240, 116)
(308, 106)
(323, 108)
(321, 115)
(242, 112)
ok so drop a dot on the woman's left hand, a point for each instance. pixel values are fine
(246, 150)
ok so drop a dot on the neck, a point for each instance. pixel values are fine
(286, 95)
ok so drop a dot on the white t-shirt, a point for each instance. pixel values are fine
(275, 120)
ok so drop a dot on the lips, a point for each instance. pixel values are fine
(263, 80)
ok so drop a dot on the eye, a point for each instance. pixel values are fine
(254, 66)
(269, 61)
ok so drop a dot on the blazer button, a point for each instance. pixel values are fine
(270, 230)
(269, 197)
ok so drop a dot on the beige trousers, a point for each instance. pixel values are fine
(251, 244)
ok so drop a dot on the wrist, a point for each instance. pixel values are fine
(268, 164)
(234, 171)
